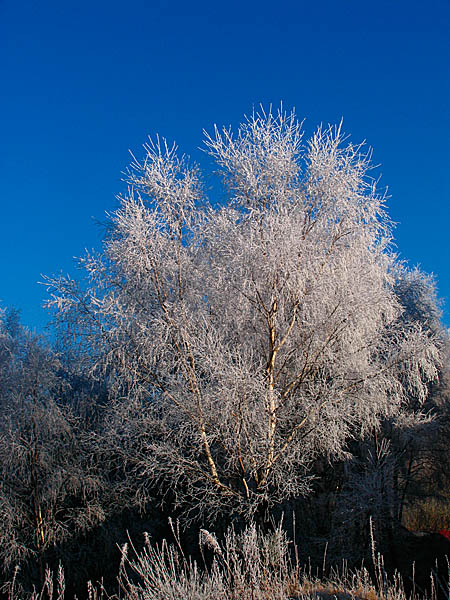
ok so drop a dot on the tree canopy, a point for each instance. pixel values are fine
(245, 339)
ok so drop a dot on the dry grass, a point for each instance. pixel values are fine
(246, 566)
(429, 515)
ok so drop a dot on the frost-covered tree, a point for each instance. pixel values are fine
(49, 486)
(246, 339)
(397, 463)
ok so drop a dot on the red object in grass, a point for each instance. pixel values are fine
(445, 533)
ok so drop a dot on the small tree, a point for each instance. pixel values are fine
(246, 339)
(366, 495)
(49, 486)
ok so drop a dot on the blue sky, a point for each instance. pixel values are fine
(84, 82)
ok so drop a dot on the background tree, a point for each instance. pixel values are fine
(49, 483)
(397, 463)
(245, 340)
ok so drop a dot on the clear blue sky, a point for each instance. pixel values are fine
(84, 82)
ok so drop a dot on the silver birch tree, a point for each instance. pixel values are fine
(248, 338)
